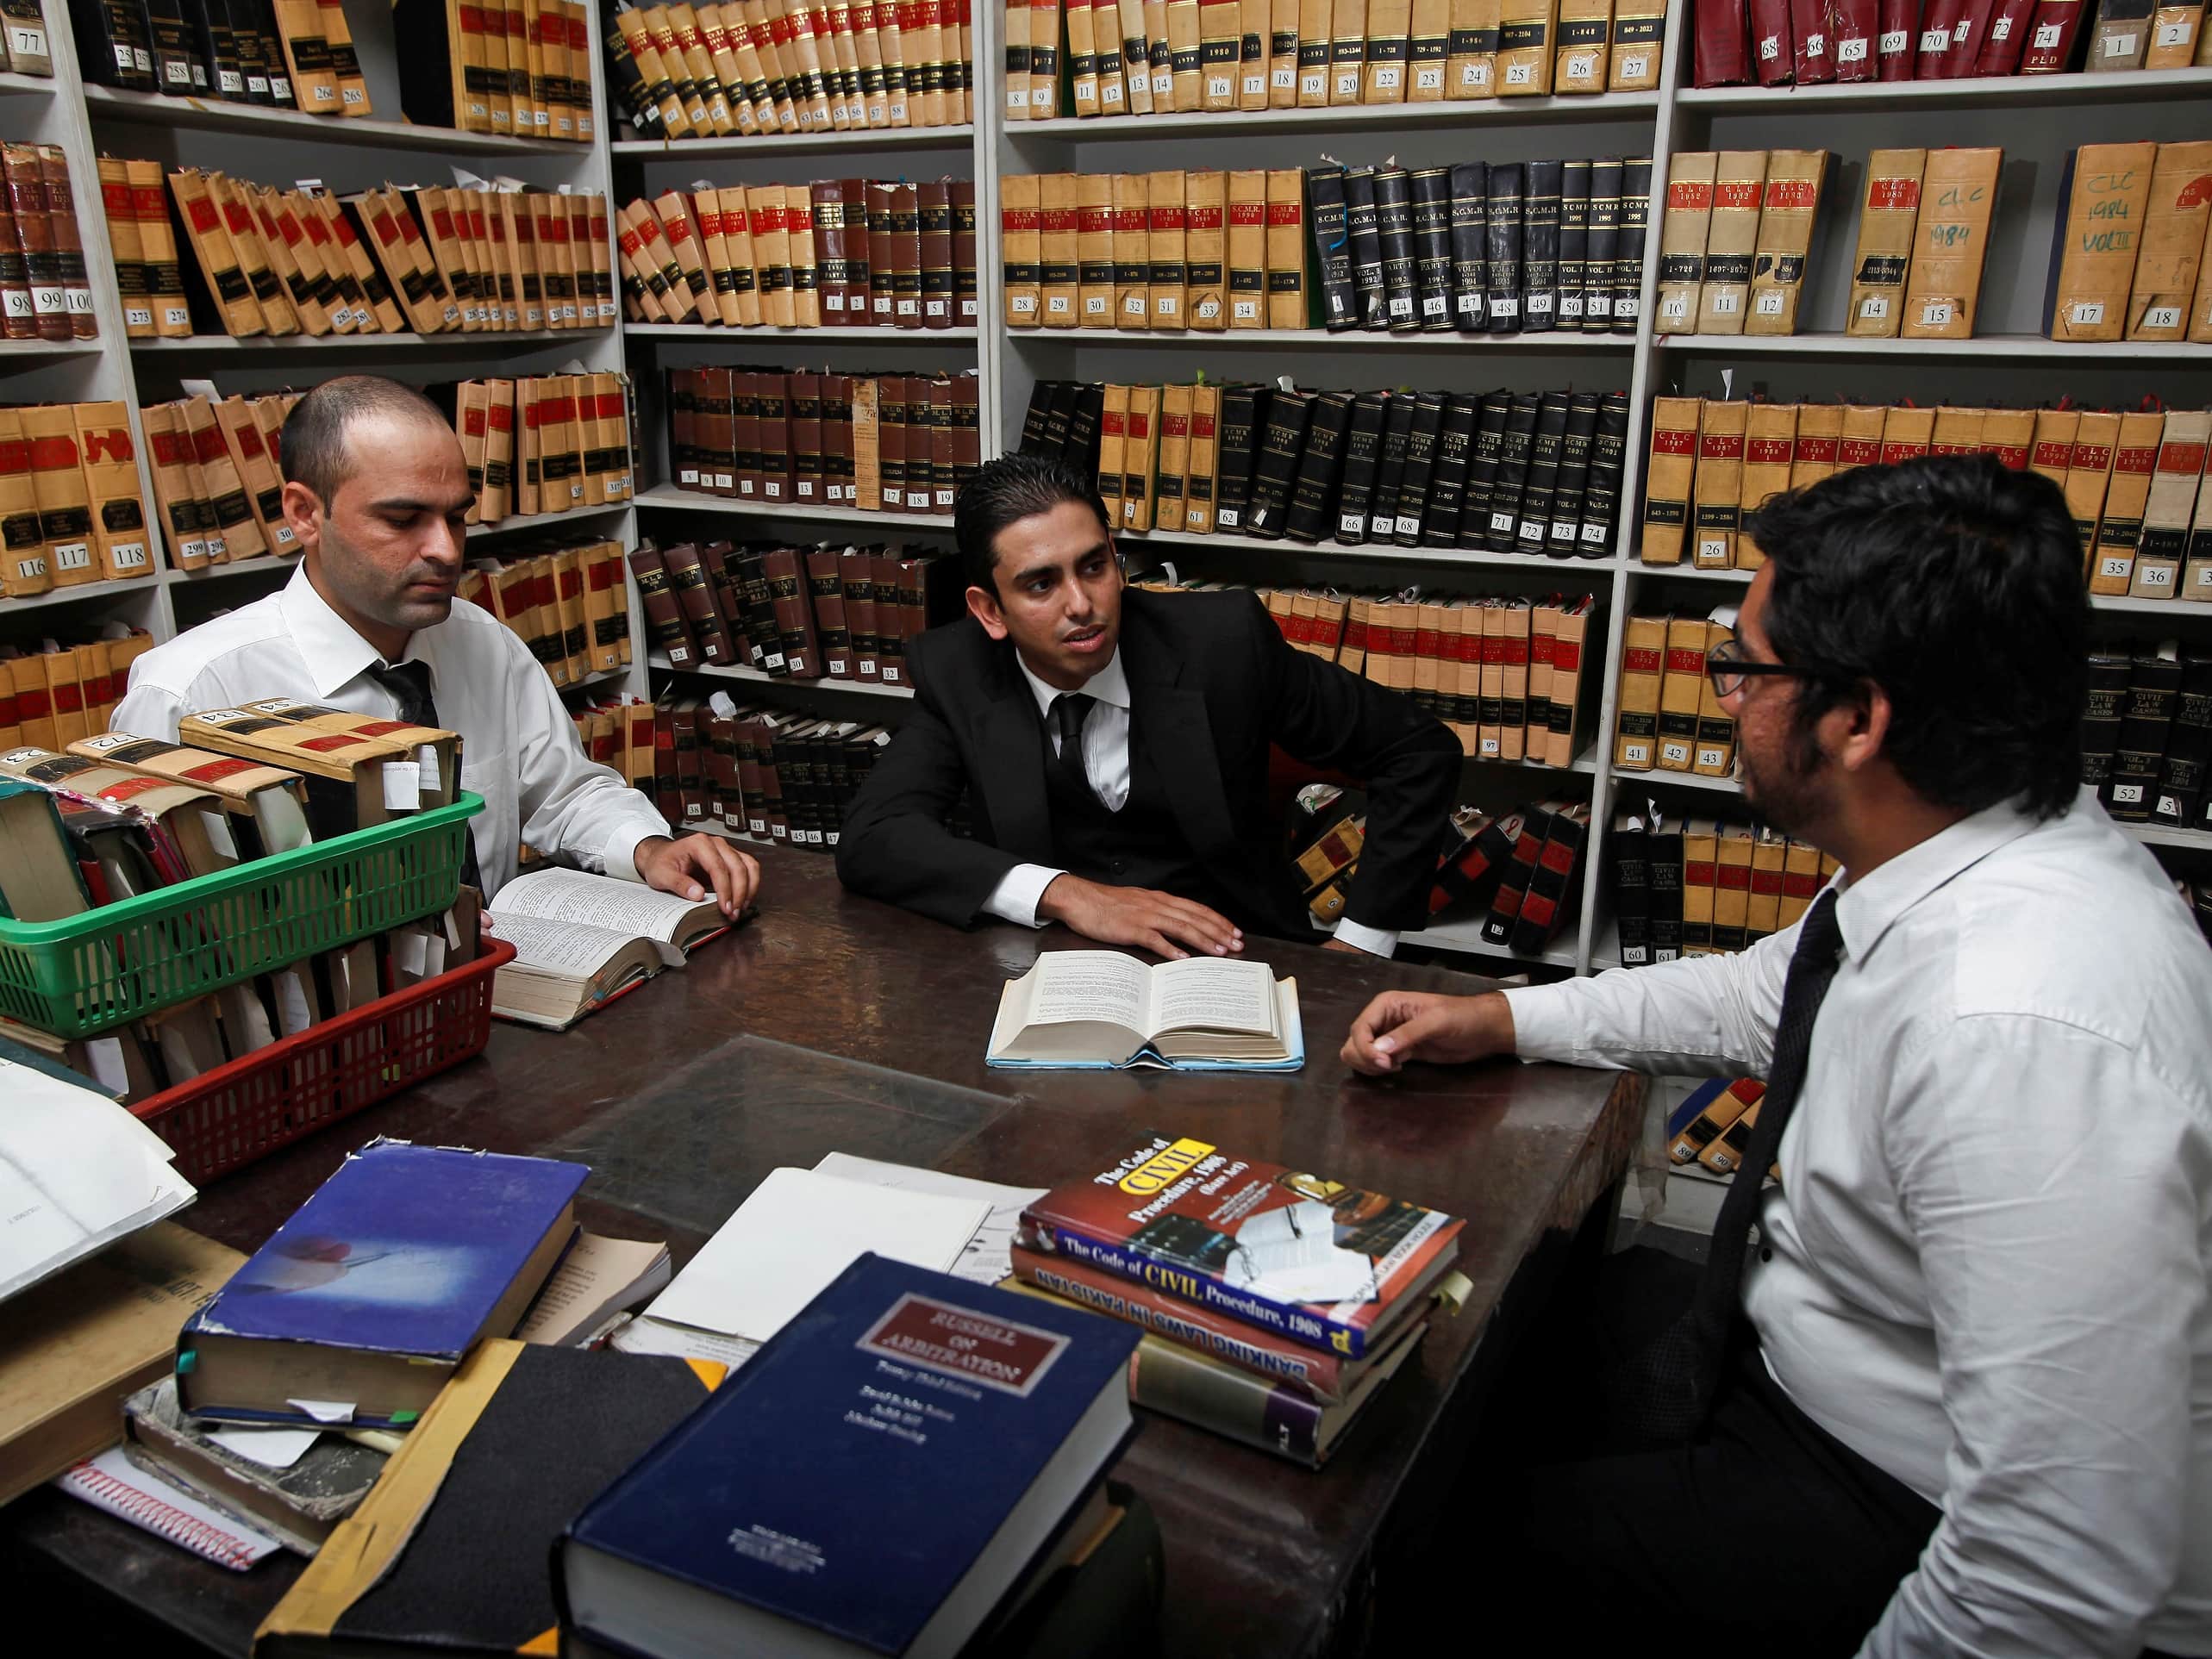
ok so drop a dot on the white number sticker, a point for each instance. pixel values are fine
(1220, 86)
(1245, 311)
(2162, 317)
(1874, 306)
(1635, 65)
(1768, 303)
(1853, 51)
(1675, 308)
(1725, 303)
(1428, 80)
(1521, 74)
(2085, 314)
(1935, 313)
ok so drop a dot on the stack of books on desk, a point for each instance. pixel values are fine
(1275, 1303)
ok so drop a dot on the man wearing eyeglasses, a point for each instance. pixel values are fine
(1956, 1398)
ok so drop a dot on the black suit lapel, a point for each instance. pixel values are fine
(1171, 719)
(1009, 762)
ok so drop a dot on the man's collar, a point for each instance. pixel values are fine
(1109, 684)
(334, 653)
(1874, 902)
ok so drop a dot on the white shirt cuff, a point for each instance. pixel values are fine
(620, 855)
(1543, 1029)
(1019, 893)
(1375, 941)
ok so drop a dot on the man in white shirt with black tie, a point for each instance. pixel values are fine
(1957, 1399)
(376, 488)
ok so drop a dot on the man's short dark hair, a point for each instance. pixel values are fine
(1006, 491)
(1954, 583)
(312, 447)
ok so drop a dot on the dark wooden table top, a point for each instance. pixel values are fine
(680, 1118)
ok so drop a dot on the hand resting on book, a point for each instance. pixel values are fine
(1154, 921)
(696, 865)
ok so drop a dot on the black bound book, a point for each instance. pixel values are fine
(1502, 262)
(1394, 226)
(1332, 248)
(1604, 241)
(209, 27)
(178, 69)
(1539, 245)
(1663, 866)
(1432, 246)
(1033, 420)
(1382, 512)
(1088, 409)
(1564, 537)
(1363, 460)
(1447, 493)
(1512, 473)
(1239, 445)
(1574, 241)
(1469, 247)
(1609, 461)
(1629, 249)
(1313, 490)
(1537, 496)
(1483, 457)
(1364, 224)
(1420, 467)
(1282, 442)
(1631, 889)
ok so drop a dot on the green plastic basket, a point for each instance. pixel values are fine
(85, 974)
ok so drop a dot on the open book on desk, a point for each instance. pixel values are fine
(580, 941)
(1099, 1010)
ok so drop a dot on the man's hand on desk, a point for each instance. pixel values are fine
(1158, 922)
(1402, 1026)
(696, 865)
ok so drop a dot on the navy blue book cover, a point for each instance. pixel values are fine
(406, 1250)
(849, 1475)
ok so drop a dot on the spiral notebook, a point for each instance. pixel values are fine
(109, 1481)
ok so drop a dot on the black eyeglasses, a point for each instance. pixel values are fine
(1729, 668)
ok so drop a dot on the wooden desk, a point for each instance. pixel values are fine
(1263, 1557)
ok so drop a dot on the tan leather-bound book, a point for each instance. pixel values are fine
(1204, 210)
(1817, 443)
(2105, 196)
(24, 568)
(1172, 468)
(218, 259)
(1140, 458)
(2089, 473)
(1113, 448)
(337, 242)
(637, 35)
(735, 64)
(1316, 42)
(2166, 515)
(1860, 443)
(1770, 453)
(2119, 527)
(1731, 241)
(185, 519)
(1888, 211)
(1132, 253)
(313, 292)
(1347, 50)
(1094, 250)
(1220, 36)
(1714, 755)
(133, 281)
(1683, 230)
(1202, 470)
(245, 234)
(1959, 189)
(1958, 432)
(110, 466)
(1787, 213)
(1059, 248)
(443, 220)
(345, 62)
(1247, 250)
(1470, 67)
(1286, 248)
(172, 317)
(2169, 269)
(2008, 434)
(1586, 29)
(257, 472)
(238, 527)
(1907, 435)
(1525, 48)
(1680, 692)
(1643, 664)
(344, 773)
(769, 226)
(1166, 241)
(65, 511)
(380, 233)
(691, 43)
(1668, 477)
(1389, 27)
(1136, 56)
(307, 53)
(1021, 249)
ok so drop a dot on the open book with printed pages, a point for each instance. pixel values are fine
(581, 940)
(1097, 1010)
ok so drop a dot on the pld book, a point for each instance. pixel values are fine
(360, 1306)
(1098, 1010)
(874, 1481)
(581, 940)
(1335, 1267)
(448, 1554)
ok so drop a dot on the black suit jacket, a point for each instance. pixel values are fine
(1212, 683)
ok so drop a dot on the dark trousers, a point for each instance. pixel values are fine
(1766, 1535)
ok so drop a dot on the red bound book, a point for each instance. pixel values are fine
(1895, 41)
(2053, 28)
(1723, 47)
(1950, 38)
(1773, 56)
(2006, 39)
(1812, 39)
(1853, 25)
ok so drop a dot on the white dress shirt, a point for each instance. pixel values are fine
(1984, 1268)
(520, 750)
(1106, 763)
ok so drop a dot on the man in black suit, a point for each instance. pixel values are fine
(1114, 746)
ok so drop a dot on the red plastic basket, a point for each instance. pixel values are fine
(225, 1119)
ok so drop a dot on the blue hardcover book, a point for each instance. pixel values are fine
(873, 1482)
(362, 1304)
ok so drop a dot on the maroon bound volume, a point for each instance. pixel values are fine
(664, 618)
(857, 574)
(891, 628)
(2006, 39)
(694, 593)
(787, 591)
(1897, 42)
(933, 207)
(1723, 49)
(745, 431)
(826, 587)
(966, 293)
(944, 444)
(809, 477)
(1950, 38)
(859, 306)
(1854, 25)
(2051, 34)
(837, 439)
(1772, 55)
(777, 473)
(1812, 36)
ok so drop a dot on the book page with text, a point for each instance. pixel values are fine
(574, 950)
(1102, 986)
(627, 908)
(1207, 992)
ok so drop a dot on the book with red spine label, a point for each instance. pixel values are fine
(1333, 1267)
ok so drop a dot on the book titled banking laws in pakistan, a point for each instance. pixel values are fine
(1335, 1267)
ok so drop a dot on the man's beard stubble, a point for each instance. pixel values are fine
(1793, 794)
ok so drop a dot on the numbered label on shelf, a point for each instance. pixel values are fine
(1255, 85)
(1675, 308)
(2162, 317)
(1023, 305)
(1220, 86)
(1245, 311)
(1769, 303)
(1936, 314)
(72, 556)
(1540, 302)
(2085, 314)
(1133, 305)
(1208, 309)
(1168, 305)
(1635, 65)
(1521, 74)
(28, 42)
(1725, 303)
(1347, 85)
(1674, 756)
(1874, 306)
(1055, 306)
(2173, 35)
(1713, 759)
(1474, 76)
(2157, 574)
(1017, 97)
(2126, 794)
(1351, 526)
(1314, 85)
(1428, 79)
(1581, 65)
(1635, 755)
(1853, 51)
(2122, 46)
(1094, 305)
(1712, 553)
(1285, 77)
(2047, 34)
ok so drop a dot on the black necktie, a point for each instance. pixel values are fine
(1070, 710)
(1668, 1392)
(410, 685)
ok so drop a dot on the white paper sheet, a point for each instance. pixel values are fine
(987, 1258)
(799, 1230)
(629, 908)
(271, 1448)
(324, 1411)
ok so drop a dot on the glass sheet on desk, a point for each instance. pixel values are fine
(689, 1146)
